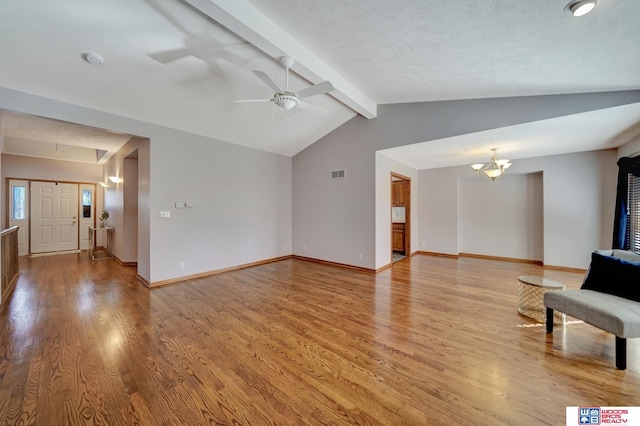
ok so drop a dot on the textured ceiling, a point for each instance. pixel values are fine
(168, 63)
(425, 50)
(37, 136)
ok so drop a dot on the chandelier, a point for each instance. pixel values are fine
(494, 169)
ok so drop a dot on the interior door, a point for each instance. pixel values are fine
(19, 212)
(54, 217)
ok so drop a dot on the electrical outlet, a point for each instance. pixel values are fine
(423, 244)
(360, 256)
(304, 248)
(182, 264)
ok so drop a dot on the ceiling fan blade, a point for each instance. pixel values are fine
(169, 55)
(317, 89)
(268, 81)
(239, 101)
(313, 108)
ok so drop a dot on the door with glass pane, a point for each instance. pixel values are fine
(19, 212)
(54, 217)
(87, 213)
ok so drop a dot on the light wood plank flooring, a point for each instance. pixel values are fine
(431, 341)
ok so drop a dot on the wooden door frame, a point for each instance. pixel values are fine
(407, 212)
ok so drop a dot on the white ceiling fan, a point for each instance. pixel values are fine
(288, 99)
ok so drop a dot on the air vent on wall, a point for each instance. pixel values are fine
(338, 174)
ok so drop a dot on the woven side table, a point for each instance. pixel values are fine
(531, 292)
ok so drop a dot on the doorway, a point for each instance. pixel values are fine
(50, 215)
(400, 217)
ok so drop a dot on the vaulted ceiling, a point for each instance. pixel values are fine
(182, 63)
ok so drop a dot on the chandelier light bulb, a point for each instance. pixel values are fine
(495, 168)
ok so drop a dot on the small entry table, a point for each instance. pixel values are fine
(531, 292)
(105, 252)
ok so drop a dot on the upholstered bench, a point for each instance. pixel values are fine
(609, 298)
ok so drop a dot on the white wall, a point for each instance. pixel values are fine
(502, 218)
(130, 209)
(241, 196)
(241, 205)
(144, 211)
(438, 207)
(384, 167)
(121, 201)
(578, 198)
(334, 219)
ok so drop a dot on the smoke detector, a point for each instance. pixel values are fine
(93, 58)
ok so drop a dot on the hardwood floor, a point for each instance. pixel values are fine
(430, 341)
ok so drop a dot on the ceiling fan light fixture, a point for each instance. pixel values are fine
(286, 102)
(287, 99)
(581, 8)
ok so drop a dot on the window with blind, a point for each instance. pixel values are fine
(633, 222)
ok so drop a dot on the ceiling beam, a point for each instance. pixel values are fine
(246, 21)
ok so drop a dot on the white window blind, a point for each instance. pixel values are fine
(633, 222)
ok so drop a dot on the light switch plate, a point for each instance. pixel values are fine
(164, 213)
(179, 205)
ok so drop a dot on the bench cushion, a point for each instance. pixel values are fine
(613, 275)
(614, 314)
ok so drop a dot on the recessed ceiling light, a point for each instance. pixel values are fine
(582, 7)
(93, 58)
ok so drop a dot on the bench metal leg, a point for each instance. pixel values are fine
(549, 320)
(621, 353)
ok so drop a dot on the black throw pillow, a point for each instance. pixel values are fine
(615, 276)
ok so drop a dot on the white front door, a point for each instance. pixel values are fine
(19, 212)
(54, 217)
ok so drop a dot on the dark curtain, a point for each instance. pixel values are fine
(626, 166)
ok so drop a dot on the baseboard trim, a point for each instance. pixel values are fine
(117, 259)
(564, 268)
(385, 267)
(144, 281)
(340, 265)
(433, 253)
(215, 272)
(504, 259)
